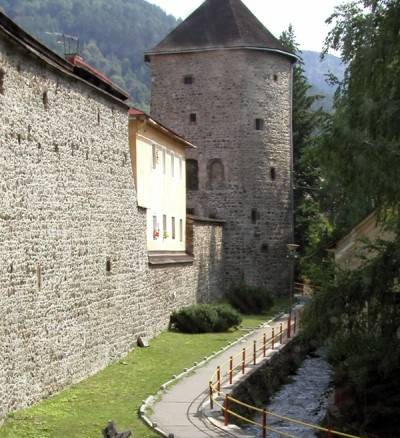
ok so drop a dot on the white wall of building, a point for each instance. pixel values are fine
(161, 188)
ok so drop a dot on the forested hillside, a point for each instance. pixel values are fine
(114, 34)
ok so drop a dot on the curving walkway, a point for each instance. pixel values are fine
(180, 412)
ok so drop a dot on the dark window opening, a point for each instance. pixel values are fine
(173, 228)
(259, 124)
(273, 173)
(255, 216)
(98, 117)
(275, 78)
(188, 80)
(108, 266)
(39, 276)
(2, 74)
(19, 138)
(191, 211)
(192, 175)
(193, 118)
(45, 99)
(264, 247)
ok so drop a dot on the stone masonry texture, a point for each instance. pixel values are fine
(244, 173)
(68, 213)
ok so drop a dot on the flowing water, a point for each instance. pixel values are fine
(305, 398)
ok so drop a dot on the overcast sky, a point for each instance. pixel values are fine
(307, 16)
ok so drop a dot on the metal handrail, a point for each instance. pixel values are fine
(218, 378)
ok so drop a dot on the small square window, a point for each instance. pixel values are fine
(188, 80)
(259, 124)
(193, 117)
(255, 216)
(45, 98)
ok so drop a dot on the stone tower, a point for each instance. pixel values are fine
(225, 82)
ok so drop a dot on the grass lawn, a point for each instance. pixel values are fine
(116, 393)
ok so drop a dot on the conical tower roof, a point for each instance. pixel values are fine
(218, 24)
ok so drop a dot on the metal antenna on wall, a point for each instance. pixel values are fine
(71, 43)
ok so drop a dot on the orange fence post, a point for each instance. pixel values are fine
(219, 379)
(255, 352)
(273, 338)
(211, 396)
(243, 360)
(264, 424)
(281, 334)
(231, 371)
(226, 409)
(265, 345)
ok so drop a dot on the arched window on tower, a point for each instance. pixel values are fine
(216, 174)
(192, 175)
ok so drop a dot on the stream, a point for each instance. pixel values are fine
(305, 398)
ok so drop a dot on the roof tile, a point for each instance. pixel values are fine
(219, 24)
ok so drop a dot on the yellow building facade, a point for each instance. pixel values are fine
(158, 158)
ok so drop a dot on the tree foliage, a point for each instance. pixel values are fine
(358, 313)
(362, 143)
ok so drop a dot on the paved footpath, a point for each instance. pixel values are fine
(181, 410)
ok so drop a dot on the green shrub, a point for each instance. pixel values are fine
(250, 300)
(205, 318)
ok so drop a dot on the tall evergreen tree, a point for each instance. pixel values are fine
(306, 124)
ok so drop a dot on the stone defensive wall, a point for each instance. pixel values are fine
(76, 288)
